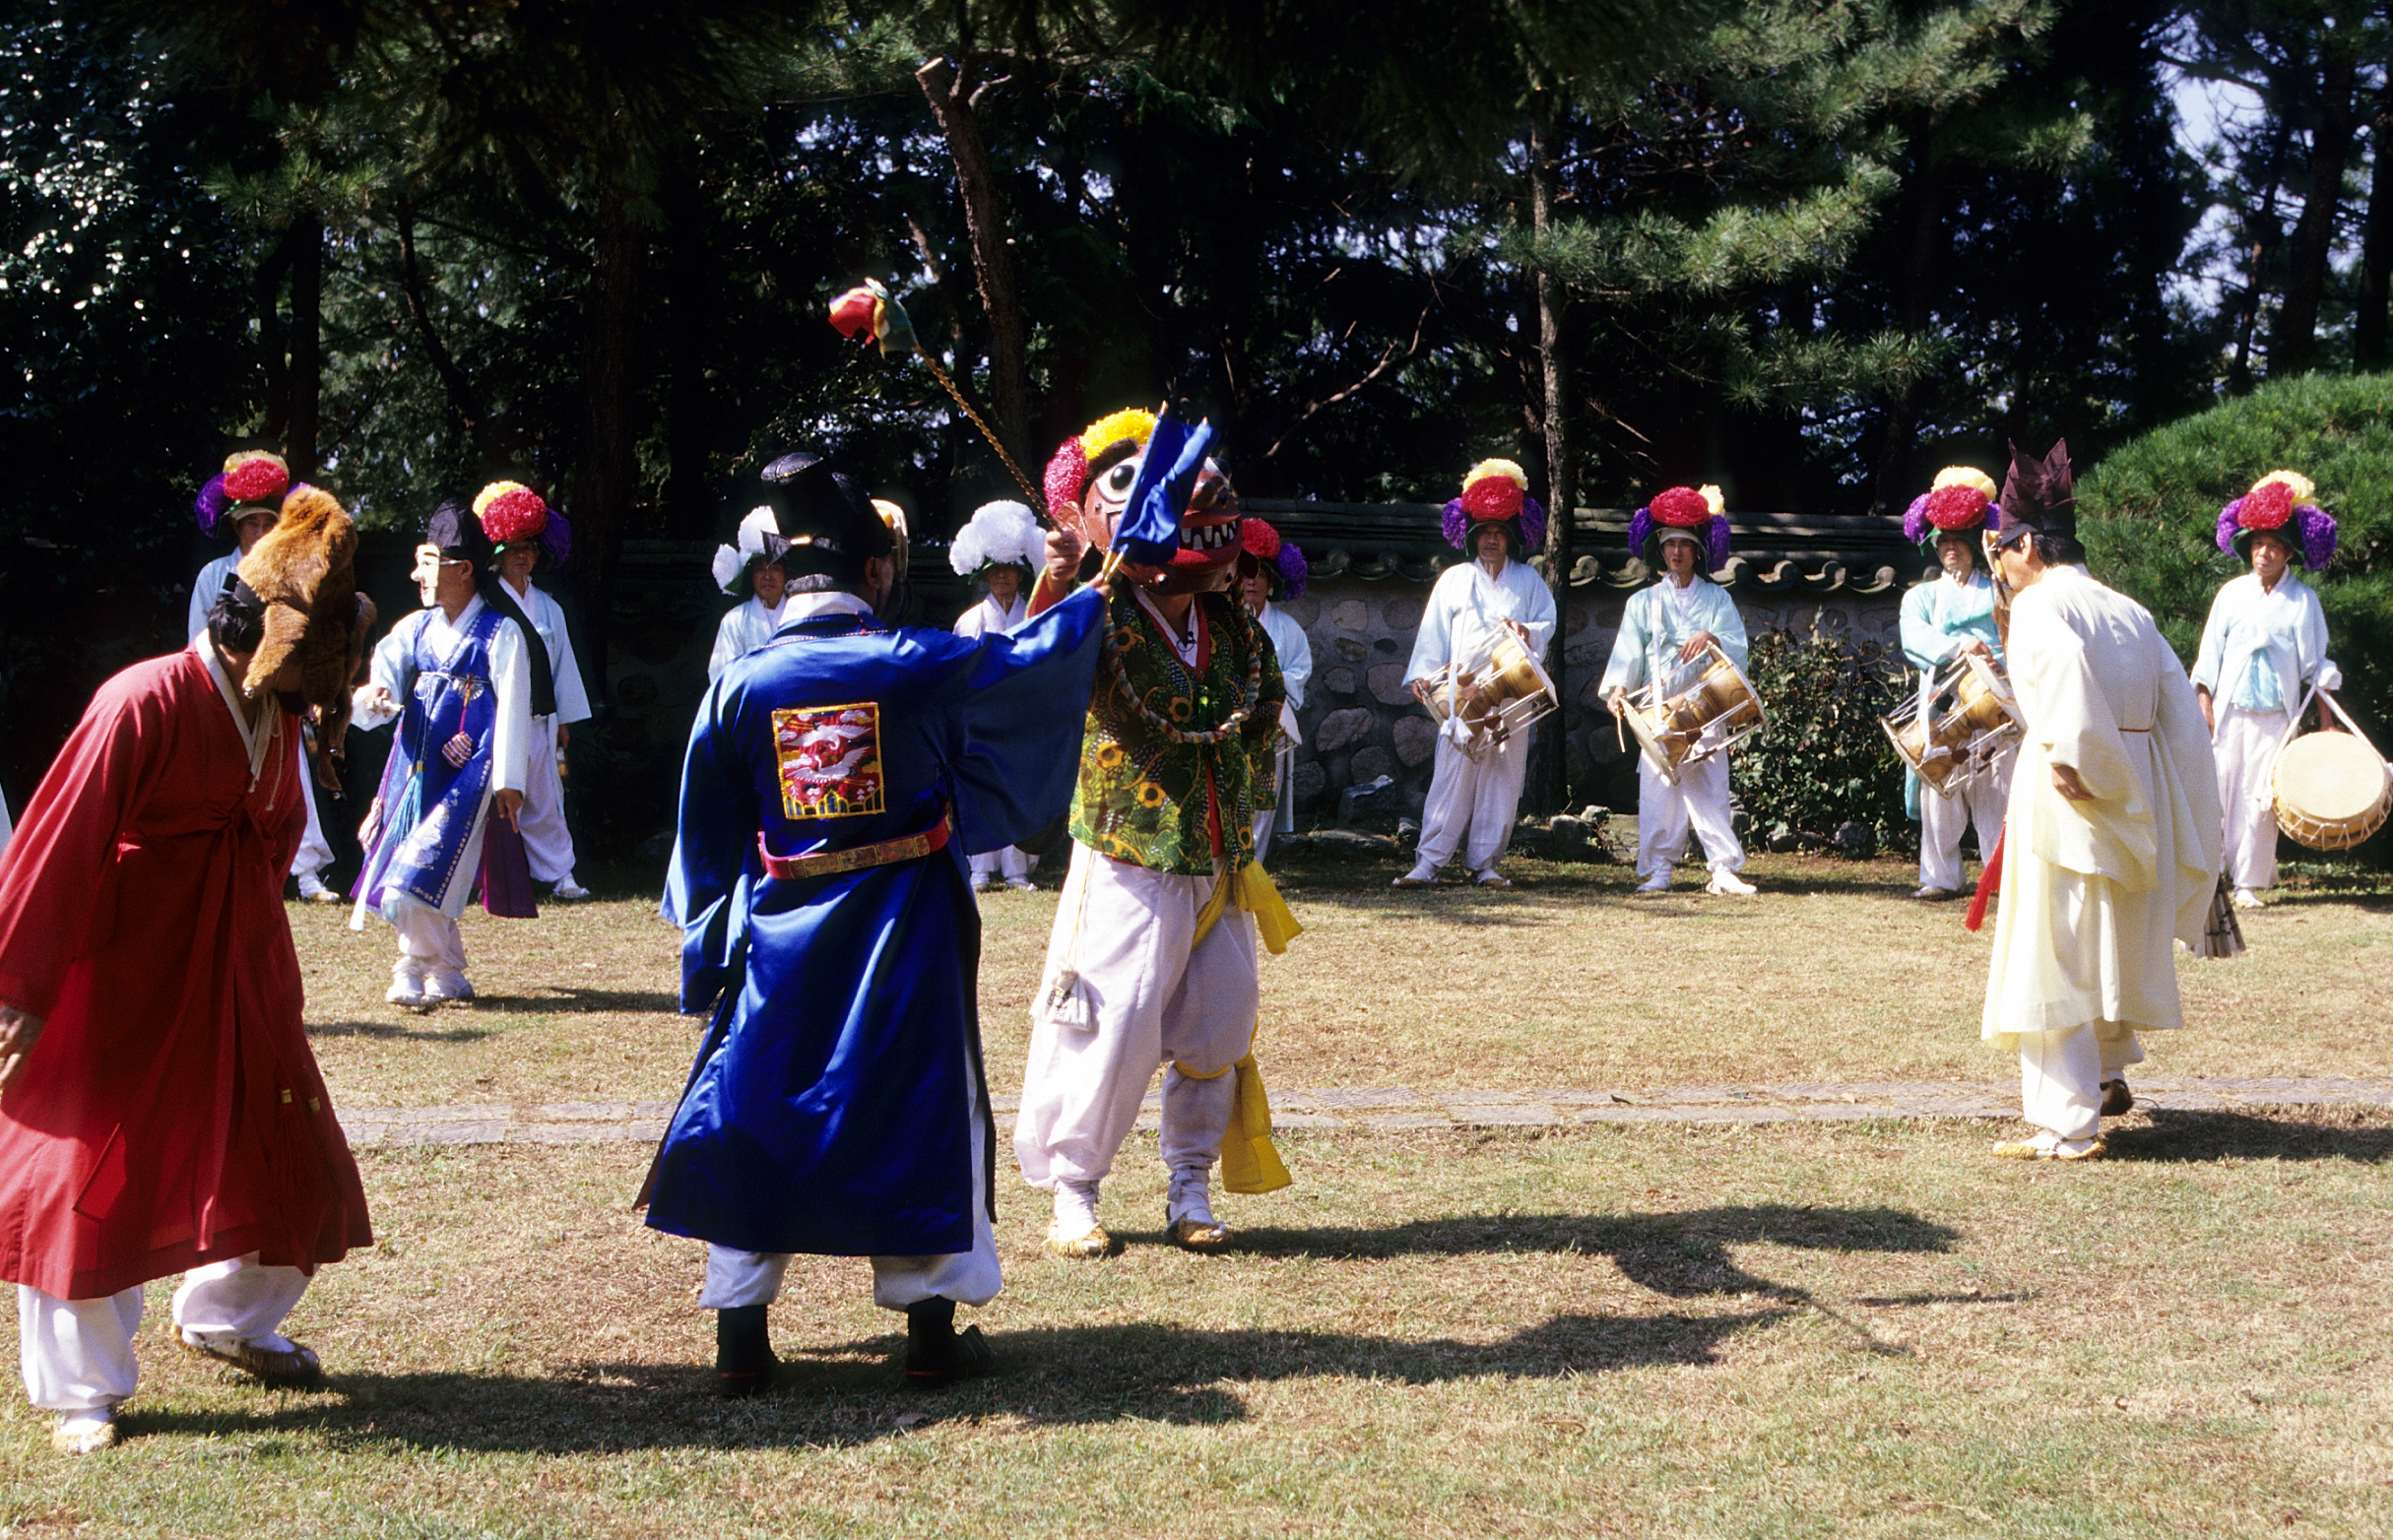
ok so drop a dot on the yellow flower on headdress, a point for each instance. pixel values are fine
(1129, 423)
(1712, 501)
(1503, 468)
(1965, 476)
(2294, 481)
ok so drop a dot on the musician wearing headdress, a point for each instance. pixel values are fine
(1272, 570)
(1473, 800)
(999, 548)
(525, 529)
(1943, 618)
(745, 570)
(1152, 958)
(2111, 850)
(2264, 648)
(463, 676)
(834, 779)
(1663, 632)
(240, 503)
(164, 1113)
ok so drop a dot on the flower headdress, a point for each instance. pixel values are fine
(758, 541)
(512, 511)
(1496, 491)
(252, 478)
(1069, 468)
(1959, 501)
(1001, 533)
(2280, 503)
(1690, 512)
(1262, 548)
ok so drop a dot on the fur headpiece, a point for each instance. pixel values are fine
(252, 478)
(2280, 503)
(1002, 534)
(2038, 496)
(303, 572)
(1496, 491)
(1263, 549)
(1691, 513)
(511, 511)
(1959, 501)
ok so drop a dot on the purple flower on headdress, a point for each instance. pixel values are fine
(211, 504)
(2229, 523)
(2317, 528)
(1915, 520)
(1533, 525)
(1455, 524)
(1715, 543)
(1293, 569)
(556, 537)
(1641, 531)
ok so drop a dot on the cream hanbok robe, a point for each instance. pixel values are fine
(2094, 893)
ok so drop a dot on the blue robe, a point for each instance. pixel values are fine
(432, 809)
(829, 1111)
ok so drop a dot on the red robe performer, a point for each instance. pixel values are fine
(162, 1110)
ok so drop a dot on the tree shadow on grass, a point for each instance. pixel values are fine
(2188, 1136)
(397, 1029)
(830, 1394)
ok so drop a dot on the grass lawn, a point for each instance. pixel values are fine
(1698, 1329)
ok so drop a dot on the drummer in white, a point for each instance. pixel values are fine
(1947, 616)
(1269, 568)
(1496, 521)
(1663, 630)
(2263, 648)
(1000, 547)
(523, 526)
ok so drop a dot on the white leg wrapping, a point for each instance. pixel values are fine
(76, 1354)
(427, 938)
(1661, 820)
(734, 1278)
(1704, 788)
(548, 844)
(1943, 815)
(226, 1304)
(315, 852)
(2060, 1081)
(1496, 801)
(1453, 788)
(2245, 749)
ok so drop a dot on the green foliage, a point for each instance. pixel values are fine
(2148, 515)
(1825, 760)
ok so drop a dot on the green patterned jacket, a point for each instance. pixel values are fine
(1148, 799)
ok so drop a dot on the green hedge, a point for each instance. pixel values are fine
(1825, 760)
(2149, 513)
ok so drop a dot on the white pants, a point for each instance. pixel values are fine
(2061, 1074)
(1664, 813)
(430, 946)
(315, 852)
(1480, 795)
(2245, 748)
(1005, 865)
(78, 1353)
(735, 1277)
(1943, 815)
(540, 820)
(1153, 1000)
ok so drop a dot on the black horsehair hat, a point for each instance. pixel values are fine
(827, 526)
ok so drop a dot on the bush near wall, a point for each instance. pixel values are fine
(1823, 761)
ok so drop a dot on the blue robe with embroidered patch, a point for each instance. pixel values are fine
(432, 809)
(831, 1108)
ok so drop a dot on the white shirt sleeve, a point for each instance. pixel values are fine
(572, 701)
(1433, 645)
(1537, 610)
(511, 735)
(388, 672)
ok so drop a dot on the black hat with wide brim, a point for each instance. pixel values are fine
(827, 526)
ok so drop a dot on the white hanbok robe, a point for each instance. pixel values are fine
(1009, 863)
(748, 626)
(1939, 617)
(1295, 651)
(2262, 649)
(2095, 893)
(1654, 626)
(1475, 796)
(547, 843)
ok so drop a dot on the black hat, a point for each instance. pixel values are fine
(459, 534)
(827, 526)
(2038, 496)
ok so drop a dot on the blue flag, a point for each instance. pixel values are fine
(1150, 533)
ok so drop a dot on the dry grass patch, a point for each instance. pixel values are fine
(1866, 1329)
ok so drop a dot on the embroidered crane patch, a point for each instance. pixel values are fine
(830, 760)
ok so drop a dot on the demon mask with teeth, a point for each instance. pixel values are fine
(1088, 483)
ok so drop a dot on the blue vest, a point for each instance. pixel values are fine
(431, 803)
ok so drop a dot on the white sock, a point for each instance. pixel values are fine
(1192, 1196)
(1075, 1208)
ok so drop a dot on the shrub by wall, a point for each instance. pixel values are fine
(1825, 761)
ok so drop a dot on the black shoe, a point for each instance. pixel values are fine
(2117, 1098)
(743, 1352)
(937, 1354)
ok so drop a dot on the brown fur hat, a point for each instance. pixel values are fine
(304, 571)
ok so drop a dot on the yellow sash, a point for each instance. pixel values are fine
(1248, 1161)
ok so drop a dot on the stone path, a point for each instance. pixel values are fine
(1367, 1109)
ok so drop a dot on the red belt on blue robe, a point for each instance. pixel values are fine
(857, 858)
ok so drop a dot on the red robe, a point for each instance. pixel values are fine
(171, 1113)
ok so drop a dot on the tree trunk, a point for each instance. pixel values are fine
(1548, 780)
(455, 389)
(2265, 235)
(602, 504)
(950, 93)
(2294, 340)
(306, 343)
(266, 293)
(2368, 350)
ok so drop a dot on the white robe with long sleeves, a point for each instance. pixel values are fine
(1478, 798)
(748, 626)
(547, 842)
(2262, 649)
(2094, 893)
(1654, 624)
(1295, 651)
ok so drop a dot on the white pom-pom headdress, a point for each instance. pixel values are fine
(734, 562)
(1001, 533)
